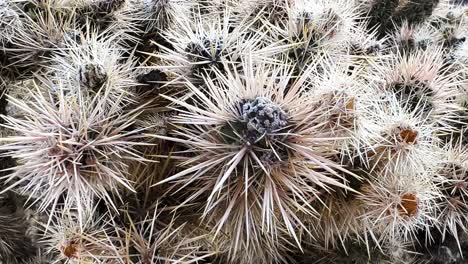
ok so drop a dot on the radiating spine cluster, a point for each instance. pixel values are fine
(233, 131)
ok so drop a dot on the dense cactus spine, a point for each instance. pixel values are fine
(233, 131)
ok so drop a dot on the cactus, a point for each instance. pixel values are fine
(233, 131)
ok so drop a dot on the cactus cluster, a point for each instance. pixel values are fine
(233, 131)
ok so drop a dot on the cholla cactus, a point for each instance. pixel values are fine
(94, 67)
(153, 240)
(72, 147)
(197, 52)
(339, 223)
(452, 177)
(113, 17)
(420, 85)
(160, 14)
(264, 12)
(398, 206)
(410, 38)
(266, 145)
(37, 38)
(414, 11)
(402, 140)
(317, 28)
(345, 100)
(79, 239)
(233, 131)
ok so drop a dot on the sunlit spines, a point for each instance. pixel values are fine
(70, 147)
(198, 47)
(109, 17)
(264, 13)
(74, 238)
(451, 23)
(345, 100)
(9, 23)
(448, 15)
(43, 32)
(94, 65)
(339, 222)
(409, 38)
(421, 83)
(401, 141)
(459, 60)
(397, 206)
(153, 238)
(318, 28)
(268, 153)
(366, 45)
(452, 178)
(262, 116)
(157, 15)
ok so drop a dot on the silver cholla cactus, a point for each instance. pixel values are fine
(233, 131)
